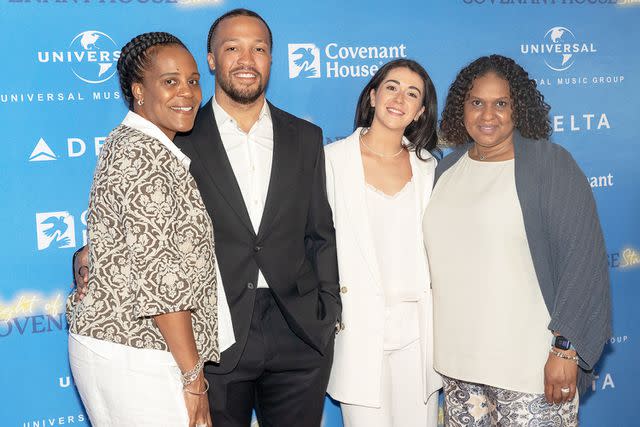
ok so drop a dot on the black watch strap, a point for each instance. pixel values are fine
(561, 343)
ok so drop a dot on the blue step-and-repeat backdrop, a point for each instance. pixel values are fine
(59, 98)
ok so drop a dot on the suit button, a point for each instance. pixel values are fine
(341, 326)
(343, 290)
(250, 285)
(257, 248)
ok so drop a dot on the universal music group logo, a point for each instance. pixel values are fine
(92, 56)
(565, 52)
(560, 48)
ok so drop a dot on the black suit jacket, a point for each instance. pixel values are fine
(295, 246)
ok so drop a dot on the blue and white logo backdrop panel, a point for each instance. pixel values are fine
(59, 98)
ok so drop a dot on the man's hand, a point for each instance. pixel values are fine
(560, 376)
(81, 273)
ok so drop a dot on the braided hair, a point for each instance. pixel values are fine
(136, 56)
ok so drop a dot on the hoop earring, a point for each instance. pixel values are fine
(140, 102)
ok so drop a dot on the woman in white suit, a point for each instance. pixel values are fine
(378, 181)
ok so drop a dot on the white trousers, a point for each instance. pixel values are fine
(402, 403)
(125, 386)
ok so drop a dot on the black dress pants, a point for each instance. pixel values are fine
(278, 375)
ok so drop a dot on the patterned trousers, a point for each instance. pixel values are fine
(478, 405)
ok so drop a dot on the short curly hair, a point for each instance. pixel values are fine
(136, 56)
(530, 111)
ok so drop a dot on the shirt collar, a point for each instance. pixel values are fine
(139, 123)
(222, 117)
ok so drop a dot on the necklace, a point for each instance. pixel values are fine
(379, 154)
(484, 156)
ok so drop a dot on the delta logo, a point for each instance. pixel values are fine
(75, 147)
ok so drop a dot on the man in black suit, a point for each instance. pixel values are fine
(261, 174)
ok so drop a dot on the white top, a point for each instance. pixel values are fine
(394, 224)
(226, 337)
(250, 155)
(490, 320)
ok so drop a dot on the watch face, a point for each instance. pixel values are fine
(562, 343)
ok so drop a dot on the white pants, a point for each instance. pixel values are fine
(125, 386)
(402, 403)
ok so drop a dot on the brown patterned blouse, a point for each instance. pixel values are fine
(151, 248)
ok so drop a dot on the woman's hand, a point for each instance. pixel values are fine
(178, 333)
(560, 374)
(197, 405)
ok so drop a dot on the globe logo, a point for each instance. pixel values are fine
(561, 53)
(94, 56)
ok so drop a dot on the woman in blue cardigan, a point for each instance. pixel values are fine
(517, 258)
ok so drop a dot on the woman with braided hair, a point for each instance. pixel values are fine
(149, 319)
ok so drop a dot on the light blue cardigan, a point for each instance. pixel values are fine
(566, 244)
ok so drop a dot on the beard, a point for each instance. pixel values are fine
(241, 94)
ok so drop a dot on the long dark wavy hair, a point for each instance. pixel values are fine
(422, 134)
(530, 113)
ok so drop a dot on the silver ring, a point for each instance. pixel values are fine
(565, 390)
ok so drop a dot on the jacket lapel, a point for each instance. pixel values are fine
(354, 186)
(211, 152)
(284, 167)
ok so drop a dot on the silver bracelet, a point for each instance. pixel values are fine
(190, 376)
(563, 355)
(202, 393)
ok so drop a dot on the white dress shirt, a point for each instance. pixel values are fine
(250, 154)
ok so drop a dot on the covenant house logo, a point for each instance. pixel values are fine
(92, 56)
(304, 61)
(55, 230)
(334, 61)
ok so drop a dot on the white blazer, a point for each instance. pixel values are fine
(357, 365)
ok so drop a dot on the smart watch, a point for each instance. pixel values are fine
(561, 343)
